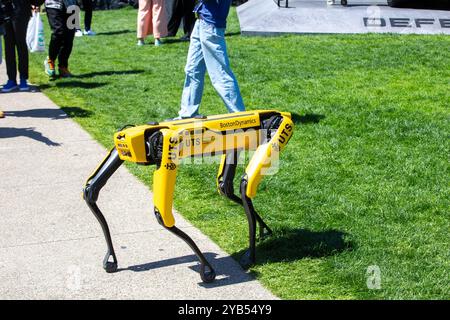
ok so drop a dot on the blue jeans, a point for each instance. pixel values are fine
(208, 51)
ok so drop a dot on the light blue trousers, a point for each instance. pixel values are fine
(208, 51)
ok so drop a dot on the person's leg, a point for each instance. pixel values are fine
(66, 49)
(175, 18)
(188, 16)
(216, 59)
(20, 30)
(10, 52)
(159, 19)
(57, 23)
(143, 19)
(195, 77)
(88, 8)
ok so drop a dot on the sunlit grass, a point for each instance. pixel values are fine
(363, 182)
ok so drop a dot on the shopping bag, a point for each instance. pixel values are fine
(35, 33)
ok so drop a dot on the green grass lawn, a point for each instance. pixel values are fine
(364, 181)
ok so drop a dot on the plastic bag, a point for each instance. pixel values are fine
(35, 33)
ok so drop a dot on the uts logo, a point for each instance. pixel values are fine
(285, 134)
(405, 22)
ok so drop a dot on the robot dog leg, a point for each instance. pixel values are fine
(277, 132)
(225, 177)
(90, 194)
(164, 179)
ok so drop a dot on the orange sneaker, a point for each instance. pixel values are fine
(50, 67)
(64, 72)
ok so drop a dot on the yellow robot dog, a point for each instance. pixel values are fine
(165, 144)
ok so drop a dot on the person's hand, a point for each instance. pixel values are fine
(35, 8)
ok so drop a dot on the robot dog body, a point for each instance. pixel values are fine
(165, 144)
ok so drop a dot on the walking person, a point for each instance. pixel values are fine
(208, 52)
(15, 39)
(61, 42)
(88, 7)
(182, 10)
(151, 20)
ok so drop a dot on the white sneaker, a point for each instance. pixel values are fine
(89, 33)
(140, 43)
(78, 33)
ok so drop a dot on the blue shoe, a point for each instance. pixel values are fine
(23, 86)
(9, 86)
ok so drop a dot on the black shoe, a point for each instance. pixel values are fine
(186, 37)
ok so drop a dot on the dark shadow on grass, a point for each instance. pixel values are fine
(232, 34)
(80, 84)
(77, 112)
(54, 114)
(173, 40)
(107, 73)
(296, 244)
(307, 118)
(74, 84)
(115, 33)
(26, 132)
(228, 272)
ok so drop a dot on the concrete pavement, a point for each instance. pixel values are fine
(264, 17)
(51, 246)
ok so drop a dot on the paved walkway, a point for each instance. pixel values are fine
(51, 246)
